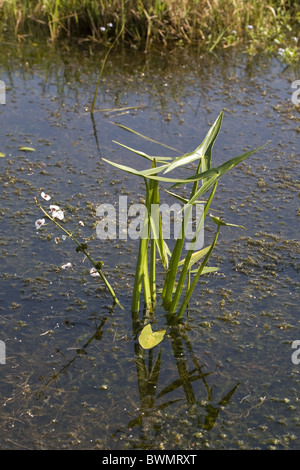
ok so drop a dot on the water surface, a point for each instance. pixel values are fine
(74, 376)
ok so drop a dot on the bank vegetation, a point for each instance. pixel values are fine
(258, 24)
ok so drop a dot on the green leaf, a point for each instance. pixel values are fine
(143, 154)
(206, 270)
(201, 151)
(216, 173)
(218, 221)
(183, 199)
(195, 257)
(145, 174)
(143, 136)
(27, 149)
(148, 339)
(211, 176)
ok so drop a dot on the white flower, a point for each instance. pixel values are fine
(110, 25)
(94, 272)
(45, 196)
(39, 223)
(56, 212)
(102, 28)
(250, 26)
(281, 51)
(66, 266)
(81, 223)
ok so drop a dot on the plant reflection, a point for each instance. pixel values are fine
(148, 369)
(97, 335)
(191, 380)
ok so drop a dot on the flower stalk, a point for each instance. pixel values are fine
(80, 247)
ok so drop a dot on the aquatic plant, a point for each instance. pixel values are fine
(181, 273)
(180, 277)
(257, 25)
(54, 213)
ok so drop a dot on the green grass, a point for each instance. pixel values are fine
(257, 25)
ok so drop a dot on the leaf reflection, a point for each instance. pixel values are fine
(148, 370)
(96, 336)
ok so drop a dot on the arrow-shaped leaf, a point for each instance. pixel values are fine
(203, 151)
(148, 339)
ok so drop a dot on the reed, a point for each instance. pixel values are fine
(209, 23)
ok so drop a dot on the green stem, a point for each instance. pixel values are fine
(141, 272)
(153, 203)
(196, 278)
(137, 288)
(171, 274)
(153, 273)
(95, 264)
(185, 268)
(168, 287)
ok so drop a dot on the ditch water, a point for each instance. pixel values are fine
(74, 376)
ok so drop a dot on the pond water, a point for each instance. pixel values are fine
(74, 376)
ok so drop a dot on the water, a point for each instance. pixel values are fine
(74, 376)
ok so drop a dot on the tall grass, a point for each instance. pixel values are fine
(207, 22)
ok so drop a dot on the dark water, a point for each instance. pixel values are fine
(74, 377)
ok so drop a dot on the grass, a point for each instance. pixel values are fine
(257, 25)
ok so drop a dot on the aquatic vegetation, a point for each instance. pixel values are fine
(180, 279)
(148, 339)
(67, 265)
(45, 196)
(39, 223)
(258, 25)
(181, 272)
(57, 213)
(26, 149)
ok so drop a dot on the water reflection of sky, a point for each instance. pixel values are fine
(242, 322)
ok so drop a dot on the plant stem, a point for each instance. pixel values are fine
(168, 287)
(141, 272)
(196, 278)
(186, 264)
(153, 273)
(95, 264)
